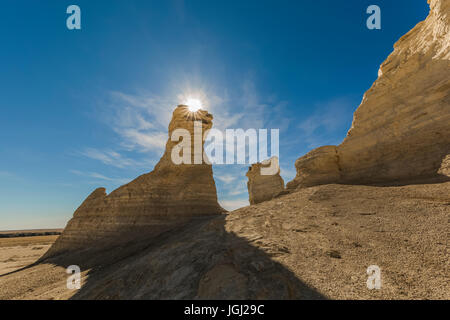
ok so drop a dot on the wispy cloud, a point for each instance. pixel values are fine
(144, 141)
(146, 109)
(236, 192)
(287, 174)
(328, 124)
(141, 119)
(108, 157)
(231, 181)
(99, 176)
(226, 178)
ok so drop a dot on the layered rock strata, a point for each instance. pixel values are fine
(153, 203)
(401, 130)
(263, 187)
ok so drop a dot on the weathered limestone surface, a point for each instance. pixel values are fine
(401, 130)
(153, 203)
(263, 187)
(320, 166)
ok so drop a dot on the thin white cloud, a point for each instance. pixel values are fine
(154, 109)
(321, 127)
(141, 120)
(128, 117)
(108, 157)
(237, 192)
(144, 142)
(99, 176)
(226, 178)
(231, 181)
(287, 174)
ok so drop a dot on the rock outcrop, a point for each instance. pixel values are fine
(401, 130)
(263, 187)
(167, 197)
(320, 166)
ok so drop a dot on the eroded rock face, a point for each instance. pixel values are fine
(153, 203)
(320, 166)
(401, 130)
(263, 187)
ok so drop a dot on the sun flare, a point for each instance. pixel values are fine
(193, 104)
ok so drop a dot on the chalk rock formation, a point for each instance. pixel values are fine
(263, 187)
(401, 130)
(153, 203)
(320, 166)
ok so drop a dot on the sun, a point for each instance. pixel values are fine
(193, 104)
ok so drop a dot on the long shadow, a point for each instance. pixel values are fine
(200, 260)
(19, 270)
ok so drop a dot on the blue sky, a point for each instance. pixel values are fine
(88, 108)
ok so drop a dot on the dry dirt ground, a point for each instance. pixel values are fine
(316, 243)
(16, 253)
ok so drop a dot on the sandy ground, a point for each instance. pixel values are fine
(324, 236)
(16, 253)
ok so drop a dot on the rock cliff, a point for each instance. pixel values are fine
(263, 187)
(168, 196)
(401, 130)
